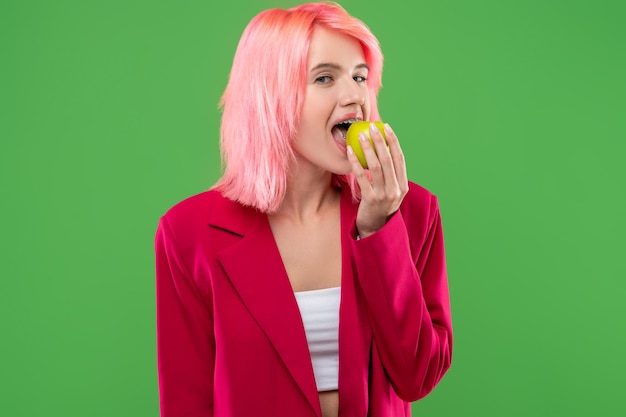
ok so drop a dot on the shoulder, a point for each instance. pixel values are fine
(193, 214)
(189, 219)
(419, 199)
(419, 210)
(193, 208)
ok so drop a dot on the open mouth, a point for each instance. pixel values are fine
(340, 129)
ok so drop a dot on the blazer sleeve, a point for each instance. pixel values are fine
(402, 272)
(185, 337)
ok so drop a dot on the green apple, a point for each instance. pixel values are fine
(352, 138)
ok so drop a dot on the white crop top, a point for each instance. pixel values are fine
(320, 315)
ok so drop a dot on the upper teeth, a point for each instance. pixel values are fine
(349, 121)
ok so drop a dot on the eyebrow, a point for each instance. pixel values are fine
(334, 66)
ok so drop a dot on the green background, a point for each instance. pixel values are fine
(512, 112)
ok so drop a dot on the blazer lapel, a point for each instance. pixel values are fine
(255, 268)
(355, 336)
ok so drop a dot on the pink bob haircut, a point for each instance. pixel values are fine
(264, 97)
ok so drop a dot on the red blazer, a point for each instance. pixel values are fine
(229, 334)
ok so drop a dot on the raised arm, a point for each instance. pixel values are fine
(402, 271)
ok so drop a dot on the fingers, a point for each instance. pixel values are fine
(384, 184)
(380, 162)
(371, 179)
(359, 172)
(385, 160)
(399, 163)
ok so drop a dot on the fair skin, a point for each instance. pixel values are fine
(336, 91)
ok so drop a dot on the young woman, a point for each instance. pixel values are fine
(302, 284)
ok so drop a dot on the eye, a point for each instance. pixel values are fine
(323, 79)
(359, 78)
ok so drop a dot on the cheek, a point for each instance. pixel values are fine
(318, 100)
(367, 110)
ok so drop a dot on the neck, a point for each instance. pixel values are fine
(309, 194)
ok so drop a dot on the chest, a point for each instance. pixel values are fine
(311, 253)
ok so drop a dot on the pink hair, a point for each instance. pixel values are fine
(264, 97)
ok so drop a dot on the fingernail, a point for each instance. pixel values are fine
(350, 150)
(362, 137)
(388, 128)
(373, 127)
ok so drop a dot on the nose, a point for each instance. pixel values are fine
(353, 93)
